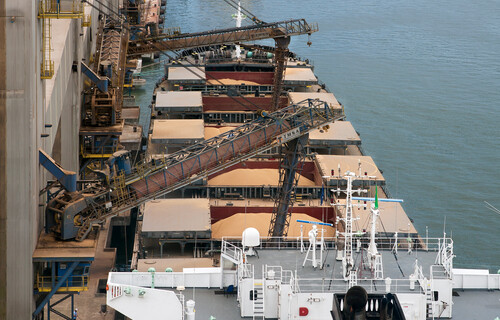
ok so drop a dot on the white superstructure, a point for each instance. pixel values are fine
(275, 284)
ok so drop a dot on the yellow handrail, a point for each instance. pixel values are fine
(73, 283)
(47, 68)
(56, 9)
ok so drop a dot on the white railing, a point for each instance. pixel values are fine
(277, 242)
(422, 280)
(287, 277)
(190, 278)
(475, 279)
(232, 252)
(180, 296)
(426, 244)
(268, 270)
(447, 259)
(339, 285)
(245, 270)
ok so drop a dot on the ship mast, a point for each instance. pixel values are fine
(239, 17)
(374, 257)
(349, 272)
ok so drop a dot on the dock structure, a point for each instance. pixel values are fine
(299, 75)
(175, 102)
(161, 219)
(334, 167)
(40, 109)
(45, 111)
(65, 271)
(333, 140)
(184, 75)
(320, 94)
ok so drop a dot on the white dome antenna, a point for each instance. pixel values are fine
(250, 239)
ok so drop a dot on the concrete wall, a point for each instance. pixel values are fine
(27, 105)
(19, 139)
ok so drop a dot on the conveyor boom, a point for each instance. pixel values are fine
(154, 179)
(223, 36)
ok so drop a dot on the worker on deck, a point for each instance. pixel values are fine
(75, 314)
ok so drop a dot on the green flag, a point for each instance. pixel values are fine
(376, 197)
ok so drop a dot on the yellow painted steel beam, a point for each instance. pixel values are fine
(51, 9)
(64, 289)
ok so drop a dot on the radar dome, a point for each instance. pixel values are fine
(250, 237)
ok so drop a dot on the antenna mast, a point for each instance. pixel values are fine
(239, 17)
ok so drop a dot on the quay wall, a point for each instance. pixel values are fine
(31, 108)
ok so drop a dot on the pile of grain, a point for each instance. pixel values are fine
(234, 225)
(253, 177)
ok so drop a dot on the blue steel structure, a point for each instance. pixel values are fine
(68, 276)
(65, 177)
(101, 81)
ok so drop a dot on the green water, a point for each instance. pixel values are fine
(420, 81)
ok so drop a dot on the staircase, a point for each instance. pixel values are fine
(429, 300)
(231, 252)
(379, 268)
(353, 279)
(83, 231)
(258, 302)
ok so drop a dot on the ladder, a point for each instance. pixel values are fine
(258, 299)
(47, 67)
(379, 269)
(353, 278)
(429, 299)
(183, 304)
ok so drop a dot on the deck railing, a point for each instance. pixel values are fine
(371, 286)
(72, 283)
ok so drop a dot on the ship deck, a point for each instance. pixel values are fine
(468, 305)
(396, 266)
(213, 301)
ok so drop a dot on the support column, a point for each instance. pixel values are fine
(19, 138)
(290, 168)
(3, 176)
(280, 58)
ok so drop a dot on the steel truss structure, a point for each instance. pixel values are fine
(150, 180)
(222, 36)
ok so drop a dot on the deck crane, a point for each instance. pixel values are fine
(72, 214)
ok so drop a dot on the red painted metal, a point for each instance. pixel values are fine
(225, 103)
(303, 311)
(259, 78)
(189, 167)
(221, 212)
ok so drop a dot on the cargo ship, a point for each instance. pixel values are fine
(349, 250)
